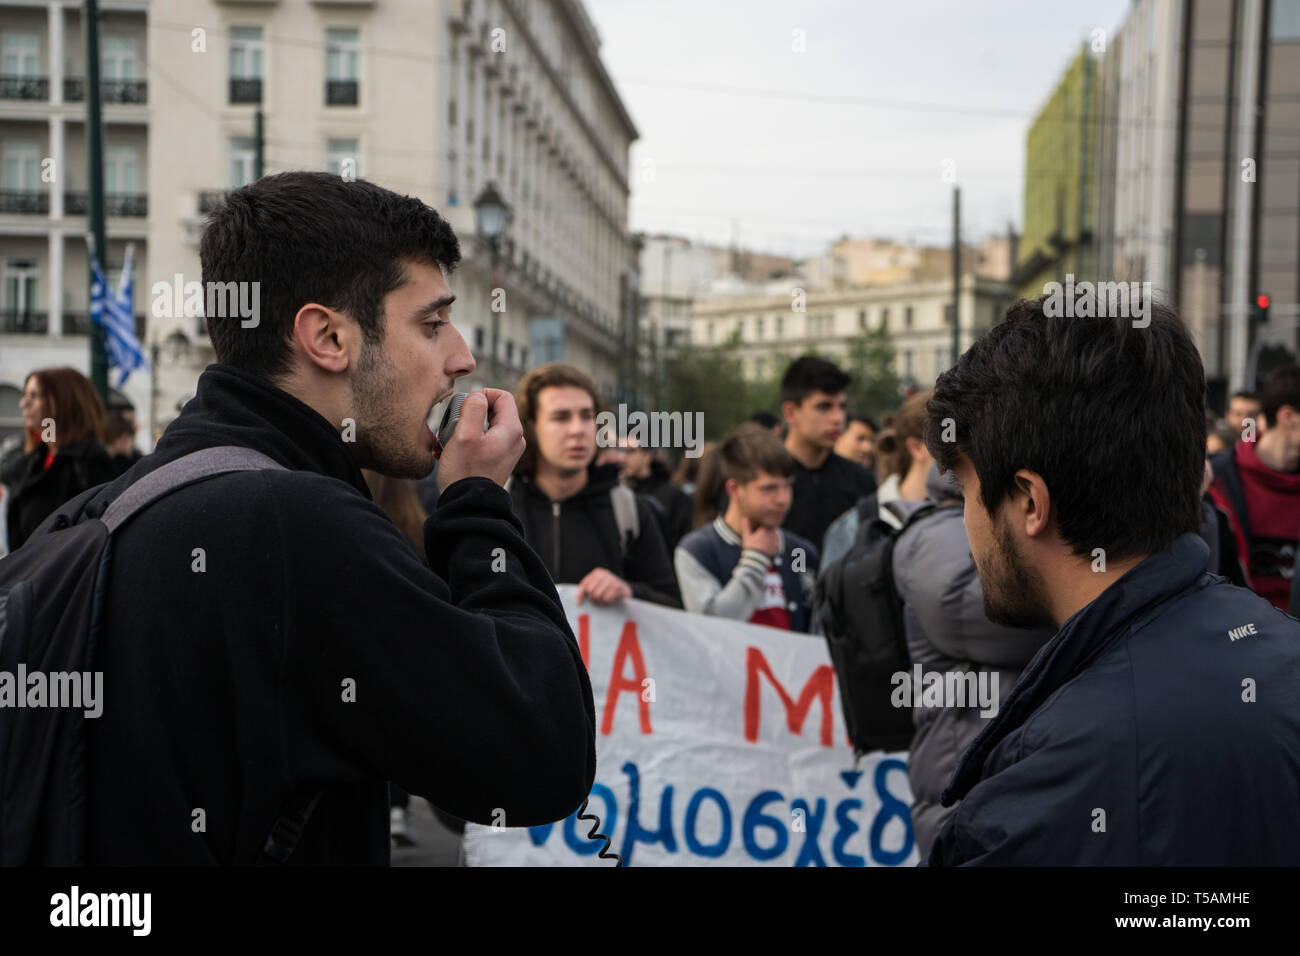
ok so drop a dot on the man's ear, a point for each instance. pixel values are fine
(787, 411)
(323, 337)
(1032, 502)
(730, 486)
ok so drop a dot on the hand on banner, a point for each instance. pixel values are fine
(603, 587)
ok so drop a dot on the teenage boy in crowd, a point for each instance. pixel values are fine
(825, 485)
(742, 565)
(589, 529)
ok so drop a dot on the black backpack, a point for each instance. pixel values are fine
(52, 593)
(862, 618)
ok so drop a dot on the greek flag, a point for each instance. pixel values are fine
(117, 316)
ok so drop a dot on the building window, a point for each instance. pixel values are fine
(758, 328)
(1285, 21)
(21, 172)
(940, 356)
(907, 317)
(862, 320)
(523, 356)
(242, 158)
(20, 284)
(780, 326)
(118, 60)
(341, 158)
(907, 363)
(20, 55)
(20, 66)
(710, 331)
(342, 55)
(478, 338)
(510, 353)
(246, 64)
(947, 313)
(884, 317)
(120, 166)
(451, 112)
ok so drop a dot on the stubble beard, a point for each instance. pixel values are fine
(1014, 595)
(379, 444)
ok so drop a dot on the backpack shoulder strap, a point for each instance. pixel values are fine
(183, 471)
(626, 517)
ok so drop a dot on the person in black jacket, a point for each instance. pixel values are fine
(647, 475)
(270, 636)
(1160, 725)
(825, 485)
(62, 454)
(570, 506)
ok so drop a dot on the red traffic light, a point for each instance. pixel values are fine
(1262, 301)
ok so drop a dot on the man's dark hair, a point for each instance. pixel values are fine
(1111, 416)
(809, 374)
(1281, 387)
(1247, 395)
(314, 237)
(863, 419)
(765, 418)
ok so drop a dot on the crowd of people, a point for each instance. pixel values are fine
(743, 532)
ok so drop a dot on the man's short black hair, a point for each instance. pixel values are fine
(314, 237)
(810, 374)
(864, 419)
(1111, 416)
(765, 418)
(1243, 393)
(1281, 387)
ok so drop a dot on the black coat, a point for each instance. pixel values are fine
(313, 648)
(579, 534)
(37, 491)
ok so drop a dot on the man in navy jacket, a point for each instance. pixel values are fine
(1161, 724)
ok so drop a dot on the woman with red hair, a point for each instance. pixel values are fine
(63, 452)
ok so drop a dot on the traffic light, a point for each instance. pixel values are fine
(1259, 314)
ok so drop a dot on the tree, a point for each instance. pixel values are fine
(874, 387)
(710, 380)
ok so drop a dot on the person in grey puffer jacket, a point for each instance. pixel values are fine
(943, 617)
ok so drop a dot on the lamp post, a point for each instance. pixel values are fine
(492, 216)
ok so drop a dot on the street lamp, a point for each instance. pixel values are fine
(492, 216)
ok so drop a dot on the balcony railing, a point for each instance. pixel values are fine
(29, 322)
(24, 322)
(340, 92)
(115, 204)
(78, 323)
(245, 90)
(25, 202)
(111, 91)
(24, 87)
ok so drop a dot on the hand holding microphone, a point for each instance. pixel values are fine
(488, 437)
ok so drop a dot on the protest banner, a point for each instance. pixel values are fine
(717, 742)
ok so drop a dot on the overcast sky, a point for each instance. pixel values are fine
(882, 95)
